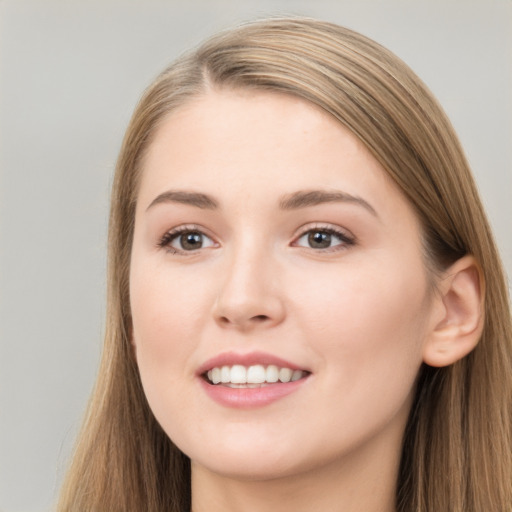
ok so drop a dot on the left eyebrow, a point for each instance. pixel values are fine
(305, 198)
(196, 199)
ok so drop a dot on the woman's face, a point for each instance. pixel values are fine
(273, 256)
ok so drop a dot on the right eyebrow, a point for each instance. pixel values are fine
(306, 198)
(196, 199)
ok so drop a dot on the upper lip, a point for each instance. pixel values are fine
(249, 359)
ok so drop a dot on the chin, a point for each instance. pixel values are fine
(246, 460)
(241, 468)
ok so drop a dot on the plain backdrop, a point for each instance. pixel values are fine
(70, 75)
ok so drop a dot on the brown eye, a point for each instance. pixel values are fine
(324, 239)
(186, 240)
(319, 239)
(190, 241)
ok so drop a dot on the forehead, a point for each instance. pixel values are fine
(251, 142)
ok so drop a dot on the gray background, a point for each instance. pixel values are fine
(70, 74)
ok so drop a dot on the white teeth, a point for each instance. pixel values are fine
(216, 375)
(247, 385)
(285, 374)
(272, 373)
(225, 374)
(253, 376)
(256, 374)
(296, 375)
(238, 374)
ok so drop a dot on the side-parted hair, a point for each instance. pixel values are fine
(457, 449)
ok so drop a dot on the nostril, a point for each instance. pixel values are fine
(256, 319)
(260, 318)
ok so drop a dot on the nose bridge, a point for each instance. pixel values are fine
(248, 292)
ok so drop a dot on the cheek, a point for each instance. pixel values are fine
(167, 315)
(164, 314)
(362, 297)
(368, 325)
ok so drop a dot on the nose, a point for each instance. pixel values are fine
(250, 296)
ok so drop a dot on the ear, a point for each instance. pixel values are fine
(458, 315)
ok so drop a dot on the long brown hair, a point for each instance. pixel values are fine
(457, 452)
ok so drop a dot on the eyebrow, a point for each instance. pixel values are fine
(305, 198)
(295, 201)
(196, 199)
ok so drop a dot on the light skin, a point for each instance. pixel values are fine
(333, 281)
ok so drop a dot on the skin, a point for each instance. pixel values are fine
(356, 315)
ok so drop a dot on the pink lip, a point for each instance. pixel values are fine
(245, 398)
(252, 358)
(248, 397)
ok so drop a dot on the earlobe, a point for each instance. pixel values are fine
(458, 326)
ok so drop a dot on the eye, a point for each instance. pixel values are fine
(185, 240)
(324, 238)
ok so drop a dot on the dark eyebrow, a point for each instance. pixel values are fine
(305, 198)
(300, 199)
(196, 199)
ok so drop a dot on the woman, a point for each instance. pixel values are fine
(306, 307)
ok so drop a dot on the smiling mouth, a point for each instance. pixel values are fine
(255, 376)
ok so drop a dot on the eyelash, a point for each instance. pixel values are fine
(345, 239)
(170, 236)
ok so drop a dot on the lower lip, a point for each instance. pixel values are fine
(245, 398)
